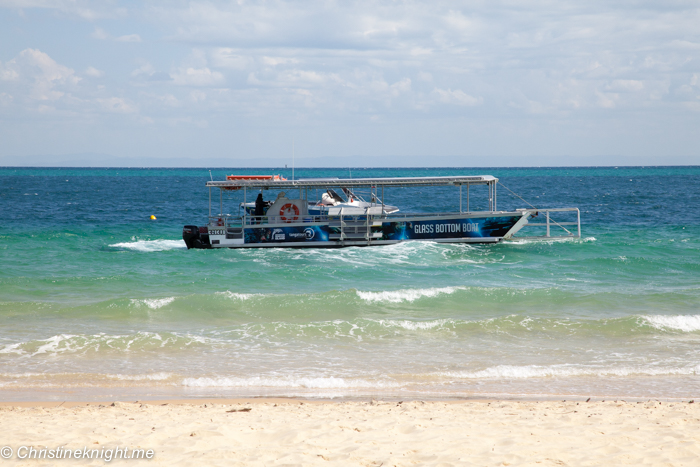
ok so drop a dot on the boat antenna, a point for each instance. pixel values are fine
(517, 195)
(212, 178)
(292, 158)
(350, 170)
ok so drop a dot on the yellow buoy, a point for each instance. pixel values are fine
(153, 217)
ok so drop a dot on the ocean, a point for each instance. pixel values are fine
(99, 302)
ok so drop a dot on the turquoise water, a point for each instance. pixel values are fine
(97, 300)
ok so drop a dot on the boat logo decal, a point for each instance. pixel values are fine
(278, 234)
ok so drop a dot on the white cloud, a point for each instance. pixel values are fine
(607, 100)
(425, 76)
(145, 69)
(419, 51)
(168, 100)
(8, 73)
(129, 38)
(457, 97)
(253, 80)
(334, 64)
(197, 77)
(116, 105)
(622, 85)
(274, 61)
(5, 98)
(35, 70)
(100, 34)
(84, 9)
(94, 72)
(303, 78)
(197, 96)
(224, 57)
(401, 86)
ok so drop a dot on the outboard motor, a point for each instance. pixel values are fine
(190, 234)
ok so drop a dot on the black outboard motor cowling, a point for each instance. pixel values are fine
(190, 234)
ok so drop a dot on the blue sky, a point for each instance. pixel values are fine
(385, 83)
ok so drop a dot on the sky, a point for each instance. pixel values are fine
(352, 83)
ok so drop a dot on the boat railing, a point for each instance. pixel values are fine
(555, 223)
(565, 218)
(249, 221)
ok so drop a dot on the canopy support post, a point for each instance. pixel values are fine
(460, 199)
(382, 200)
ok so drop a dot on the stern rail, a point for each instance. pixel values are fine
(550, 223)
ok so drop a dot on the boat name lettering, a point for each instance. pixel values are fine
(297, 235)
(215, 232)
(444, 228)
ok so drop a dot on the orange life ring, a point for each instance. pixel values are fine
(286, 213)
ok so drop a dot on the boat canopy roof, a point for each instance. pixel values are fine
(259, 182)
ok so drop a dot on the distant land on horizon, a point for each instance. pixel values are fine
(105, 160)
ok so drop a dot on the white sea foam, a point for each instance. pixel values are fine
(271, 382)
(537, 371)
(686, 323)
(154, 303)
(415, 325)
(67, 343)
(411, 252)
(147, 377)
(12, 348)
(151, 245)
(237, 296)
(406, 295)
(530, 241)
(55, 344)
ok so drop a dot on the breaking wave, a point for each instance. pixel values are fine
(286, 382)
(154, 303)
(407, 295)
(537, 371)
(685, 323)
(238, 296)
(81, 343)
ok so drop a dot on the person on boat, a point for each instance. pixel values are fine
(259, 208)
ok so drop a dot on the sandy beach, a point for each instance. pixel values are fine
(294, 432)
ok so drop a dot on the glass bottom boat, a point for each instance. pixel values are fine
(336, 221)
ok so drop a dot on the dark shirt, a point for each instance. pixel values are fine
(259, 206)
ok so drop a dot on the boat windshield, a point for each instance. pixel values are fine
(335, 196)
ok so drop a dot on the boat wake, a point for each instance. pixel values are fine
(534, 241)
(151, 245)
